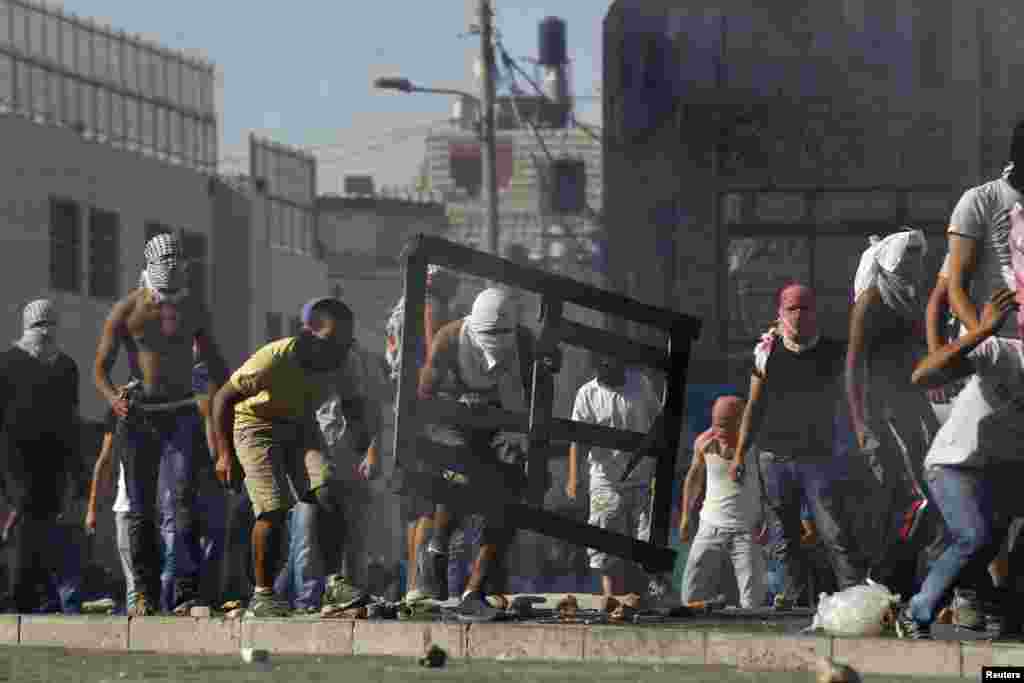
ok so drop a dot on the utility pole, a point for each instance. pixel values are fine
(490, 154)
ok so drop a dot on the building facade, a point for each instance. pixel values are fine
(745, 146)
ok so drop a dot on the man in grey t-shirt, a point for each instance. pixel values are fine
(978, 261)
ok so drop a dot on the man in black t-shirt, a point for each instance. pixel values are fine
(39, 407)
(795, 393)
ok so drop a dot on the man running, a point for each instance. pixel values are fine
(264, 420)
(158, 322)
(40, 424)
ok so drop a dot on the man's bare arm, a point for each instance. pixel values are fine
(935, 314)
(753, 414)
(106, 352)
(962, 262)
(223, 418)
(693, 486)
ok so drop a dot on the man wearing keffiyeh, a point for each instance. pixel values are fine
(892, 419)
(39, 410)
(159, 322)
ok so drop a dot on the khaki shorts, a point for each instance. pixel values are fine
(282, 463)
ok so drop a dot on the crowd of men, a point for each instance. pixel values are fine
(272, 458)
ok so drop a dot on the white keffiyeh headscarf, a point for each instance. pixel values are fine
(886, 265)
(39, 335)
(488, 354)
(165, 275)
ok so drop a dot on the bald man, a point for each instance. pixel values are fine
(731, 516)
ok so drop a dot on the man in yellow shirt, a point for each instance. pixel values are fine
(264, 420)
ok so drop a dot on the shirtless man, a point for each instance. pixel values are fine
(159, 322)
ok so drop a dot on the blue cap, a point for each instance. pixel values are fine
(334, 304)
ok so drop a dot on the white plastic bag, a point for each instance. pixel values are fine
(857, 611)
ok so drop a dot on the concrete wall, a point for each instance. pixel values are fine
(41, 163)
(841, 94)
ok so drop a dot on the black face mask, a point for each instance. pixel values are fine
(1016, 177)
(316, 354)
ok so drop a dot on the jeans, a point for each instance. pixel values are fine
(977, 505)
(787, 483)
(124, 550)
(301, 579)
(147, 446)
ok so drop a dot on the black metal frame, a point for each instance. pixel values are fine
(539, 424)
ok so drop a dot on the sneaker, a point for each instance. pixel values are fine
(912, 518)
(141, 608)
(967, 610)
(475, 609)
(341, 595)
(267, 606)
(909, 629)
(782, 603)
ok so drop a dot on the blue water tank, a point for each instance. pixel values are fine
(553, 50)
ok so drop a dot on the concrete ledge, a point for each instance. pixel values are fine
(186, 635)
(765, 651)
(677, 643)
(87, 633)
(899, 657)
(299, 636)
(526, 641)
(10, 629)
(669, 645)
(407, 638)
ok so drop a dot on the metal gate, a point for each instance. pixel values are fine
(662, 443)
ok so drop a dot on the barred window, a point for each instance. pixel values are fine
(65, 246)
(104, 252)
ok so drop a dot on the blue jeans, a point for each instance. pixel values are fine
(788, 483)
(976, 505)
(64, 588)
(301, 579)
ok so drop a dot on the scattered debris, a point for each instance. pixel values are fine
(435, 658)
(568, 607)
(830, 671)
(252, 655)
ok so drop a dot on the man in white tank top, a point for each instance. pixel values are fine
(730, 517)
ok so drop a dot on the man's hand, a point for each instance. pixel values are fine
(369, 469)
(685, 529)
(999, 307)
(737, 470)
(570, 488)
(761, 535)
(808, 535)
(90, 521)
(226, 468)
(937, 396)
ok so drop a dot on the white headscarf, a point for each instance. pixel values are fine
(39, 331)
(491, 324)
(165, 269)
(884, 265)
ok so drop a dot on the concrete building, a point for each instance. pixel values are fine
(746, 145)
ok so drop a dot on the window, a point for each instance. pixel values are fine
(274, 326)
(104, 261)
(65, 246)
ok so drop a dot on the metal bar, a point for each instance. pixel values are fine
(53, 67)
(415, 290)
(437, 411)
(489, 267)
(602, 341)
(783, 189)
(494, 503)
(665, 470)
(542, 399)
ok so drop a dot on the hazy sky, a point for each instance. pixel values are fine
(301, 72)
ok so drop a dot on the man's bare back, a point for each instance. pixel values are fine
(161, 335)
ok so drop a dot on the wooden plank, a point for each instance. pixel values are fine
(490, 267)
(601, 341)
(497, 504)
(543, 398)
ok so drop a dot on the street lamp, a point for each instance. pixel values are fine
(490, 179)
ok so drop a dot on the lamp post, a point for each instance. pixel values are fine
(490, 179)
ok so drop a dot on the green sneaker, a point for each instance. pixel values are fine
(340, 594)
(267, 606)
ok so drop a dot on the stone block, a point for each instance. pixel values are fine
(758, 651)
(87, 633)
(973, 656)
(521, 641)
(407, 638)
(185, 635)
(624, 644)
(895, 657)
(299, 636)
